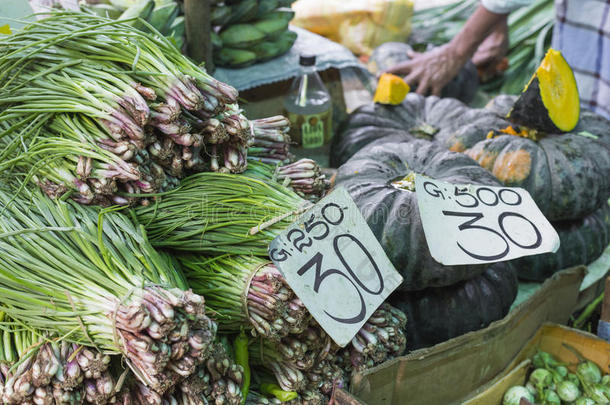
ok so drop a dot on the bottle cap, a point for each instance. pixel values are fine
(307, 60)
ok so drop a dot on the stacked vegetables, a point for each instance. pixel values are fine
(95, 112)
(103, 291)
(99, 108)
(251, 31)
(246, 292)
(219, 216)
(553, 383)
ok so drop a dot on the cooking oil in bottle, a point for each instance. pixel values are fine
(308, 107)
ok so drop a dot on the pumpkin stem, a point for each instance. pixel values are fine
(425, 131)
(406, 183)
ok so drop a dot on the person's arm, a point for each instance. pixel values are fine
(431, 71)
(493, 48)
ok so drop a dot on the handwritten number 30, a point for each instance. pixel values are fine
(319, 276)
(476, 216)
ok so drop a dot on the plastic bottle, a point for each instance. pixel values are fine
(308, 107)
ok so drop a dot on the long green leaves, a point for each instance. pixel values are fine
(213, 213)
(62, 264)
(96, 107)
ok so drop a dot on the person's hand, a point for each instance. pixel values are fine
(432, 70)
(493, 49)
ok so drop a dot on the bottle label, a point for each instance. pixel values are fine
(310, 131)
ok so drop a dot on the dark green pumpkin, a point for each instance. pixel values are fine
(463, 86)
(567, 175)
(363, 136)
(435, 315)
(447, 121)
(393, 214)
(501, 104)
(582, 242)
(594, 124)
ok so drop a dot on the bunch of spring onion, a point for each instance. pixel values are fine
(321, 376)
(246, 292)
(216, 381)
(214, 213)
(272, 394)
(303, 176)
(98, 107)
(40, 369)
(93, 278)
(270, 142)
(48, 371)
(303, 351)
(380, 338)
(311, 362)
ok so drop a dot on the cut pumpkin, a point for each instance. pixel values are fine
(549, 102)
(391, 89)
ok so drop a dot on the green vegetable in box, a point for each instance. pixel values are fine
(514, 394)
(568, 391)
(552, 383)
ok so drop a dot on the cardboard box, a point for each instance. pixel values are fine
(549, 338)
(452, 371)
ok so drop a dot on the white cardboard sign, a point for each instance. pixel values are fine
(335, 265)
(468, 224)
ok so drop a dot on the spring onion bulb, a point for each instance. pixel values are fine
(303, 176)
(271, 308)
(42, 369)
(380, 338)
(270, 142)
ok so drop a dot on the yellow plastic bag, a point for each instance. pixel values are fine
(360, 25)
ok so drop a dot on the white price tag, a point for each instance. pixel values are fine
(468, 224)
(335, 265)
